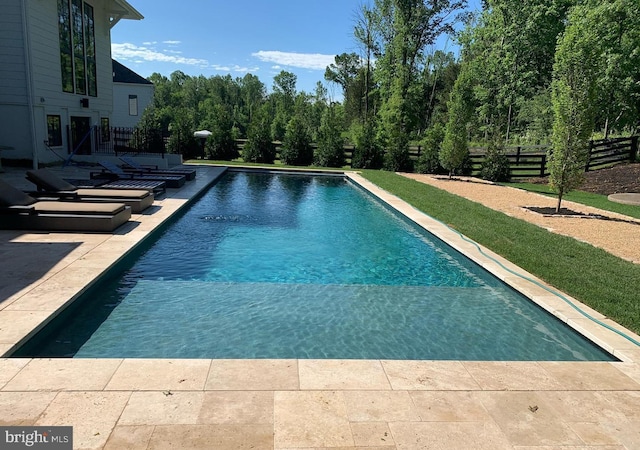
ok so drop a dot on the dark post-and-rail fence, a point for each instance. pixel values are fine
(524, 161)
(528, 162)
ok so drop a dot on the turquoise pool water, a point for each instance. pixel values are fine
(291, 266)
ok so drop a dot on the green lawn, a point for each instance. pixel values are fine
(605, 282)
(586, 198)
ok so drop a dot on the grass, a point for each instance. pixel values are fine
(605, 282)
(586, 198)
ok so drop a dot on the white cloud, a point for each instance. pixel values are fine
(150, 43)
(313, 61)
(143, 54)
(129, 51)
(172, 42)
(235, 68)
(276, 67)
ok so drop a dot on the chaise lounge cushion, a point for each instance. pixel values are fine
(10, 196)
(56, 207)
(137, 199)
(21, 211)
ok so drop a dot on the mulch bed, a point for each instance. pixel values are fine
(612, 180)
(564, 212)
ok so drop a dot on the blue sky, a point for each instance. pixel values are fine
(219, 37)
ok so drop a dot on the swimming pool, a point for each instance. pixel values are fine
(290, 266)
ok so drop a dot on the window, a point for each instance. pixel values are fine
(105, 130)
(76, 30)
(54, 131)
(133, 105)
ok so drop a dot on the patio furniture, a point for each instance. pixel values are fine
(19, 210)
(131, 165)
(112, 172)
(50, 185)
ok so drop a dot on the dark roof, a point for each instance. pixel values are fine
(122, 74)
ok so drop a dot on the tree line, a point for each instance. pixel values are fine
(539, 71)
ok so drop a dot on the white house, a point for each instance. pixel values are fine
(131, 95)
(56, 76)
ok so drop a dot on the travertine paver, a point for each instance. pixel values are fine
(372, 434)
(64, 374)
(449, 406)
(449, 436)
(162, 408)
(429, 375)
(342, 374)
(380, 406)
(130, 437)
(525, 417)
(260, 374)
(163, 374)
(510, 376)
(239, 407)
(311, 419)
(24, 407)
(93, 415)
(295, 404)
(213, 437)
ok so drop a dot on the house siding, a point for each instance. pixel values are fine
(13, 89)
(14, 112)
(46, 88)
(121, 92)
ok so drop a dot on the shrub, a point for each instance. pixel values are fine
(221, 144)
(296, 145)
(367, 153)
(330, 152)
(259, 148)
(429, 161)
(495, 166)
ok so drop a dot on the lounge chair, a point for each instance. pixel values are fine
(112, 172)
(131, 165)
(157, 187)
(19, 210)
(49, 184)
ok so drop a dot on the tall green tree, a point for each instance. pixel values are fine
(368, 152)
(617, 27)
(283, 97)
(347, 72)
(454, 149)
(509, 53)
(406, 28)
(259, 148)
(296, 146)
(574, 89)
(330, 151)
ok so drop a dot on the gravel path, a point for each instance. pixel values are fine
(615, 233)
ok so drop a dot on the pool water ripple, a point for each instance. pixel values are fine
(285, 266)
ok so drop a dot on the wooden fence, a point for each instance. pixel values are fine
(530, 161)
(602, 153)
(524, 161)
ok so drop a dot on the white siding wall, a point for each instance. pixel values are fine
(121, 92)
(13, 89)
(13, 82)
(47, 95)
(47, 78)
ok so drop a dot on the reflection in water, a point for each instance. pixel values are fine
(289, 266)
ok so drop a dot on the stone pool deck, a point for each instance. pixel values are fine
(294, 404)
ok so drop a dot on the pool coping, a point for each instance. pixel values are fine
(93, 264)
(117, 402)
(552, 300)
